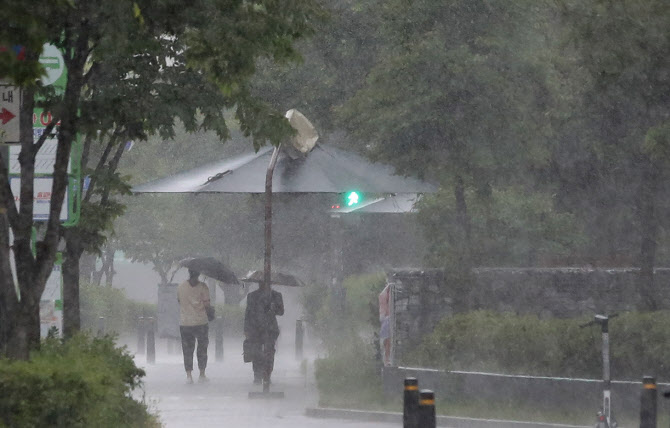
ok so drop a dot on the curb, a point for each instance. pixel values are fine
(443, 421)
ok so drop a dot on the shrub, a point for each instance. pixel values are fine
(487, 341)
(362, 299)
(120, 313)
(83, 382)
(362, 317)
(349, 375)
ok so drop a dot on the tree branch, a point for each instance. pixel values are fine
(101, 164)
(113, 165)
(47, 131)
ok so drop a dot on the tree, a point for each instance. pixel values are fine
(104, 41)
(75, 37)
(335, 62)
(625, 97)
(446, 100)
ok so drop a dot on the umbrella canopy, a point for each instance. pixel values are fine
(325, 169)
(210, 267)
(277, 278)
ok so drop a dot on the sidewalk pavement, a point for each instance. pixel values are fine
(224, 402)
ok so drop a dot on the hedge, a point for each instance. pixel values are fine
(83, 382)
(511, 344)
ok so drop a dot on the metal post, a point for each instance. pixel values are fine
(151, 341)
(299, 334)
(101, 326)
(267, 265)
(426, 409)
(337, 243)
(648, 403)
(218, 339)
(607, 387)
(140, 336)
(410, 403)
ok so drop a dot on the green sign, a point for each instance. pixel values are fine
(54, 64)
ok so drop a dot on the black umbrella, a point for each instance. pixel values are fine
(211, 267)
(278, 278)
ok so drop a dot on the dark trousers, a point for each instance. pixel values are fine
(264, 360)
(189, 334)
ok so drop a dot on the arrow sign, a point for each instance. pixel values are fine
(6, 116)
(10, 104)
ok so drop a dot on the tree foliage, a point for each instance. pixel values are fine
(133, 67)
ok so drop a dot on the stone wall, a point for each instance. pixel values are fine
(423, 297)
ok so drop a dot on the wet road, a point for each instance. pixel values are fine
(224, 402)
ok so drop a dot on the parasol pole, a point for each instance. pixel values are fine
(304, 141)
(267, 267)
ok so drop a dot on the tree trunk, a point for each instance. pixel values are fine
(26, 332)
(71, 308)
(8, 299)
(462, 214)
(109, 272)
(107, 268)
(649, 233)
(460, 275)
(87, 266)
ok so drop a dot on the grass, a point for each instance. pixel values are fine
(365, 398)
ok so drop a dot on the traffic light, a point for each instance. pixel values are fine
(352, 198)
(349, 201)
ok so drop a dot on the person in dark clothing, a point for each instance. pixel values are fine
(262, 330)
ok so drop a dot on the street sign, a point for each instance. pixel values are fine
(52, 60)
(41, 197)
(10, 103)
(44, 160)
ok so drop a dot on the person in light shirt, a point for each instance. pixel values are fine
(193, 297)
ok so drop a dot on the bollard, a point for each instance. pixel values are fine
(101, 326)
(140, 336)
(410, 417)
(151, 341)
(299, 336)
(648, 403)
(426, 409)
(218, 339)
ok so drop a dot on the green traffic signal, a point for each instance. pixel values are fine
(352, 198)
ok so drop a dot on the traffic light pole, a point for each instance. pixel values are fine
(337, 262)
